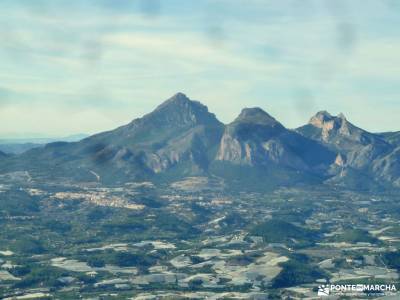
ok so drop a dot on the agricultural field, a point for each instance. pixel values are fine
(191, 240)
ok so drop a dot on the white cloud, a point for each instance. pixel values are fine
(117, 66)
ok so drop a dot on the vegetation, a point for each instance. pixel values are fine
(392, 259)
(278, 231)
(356, 236)
(297, 272)
(18, 203)
(42, 276)
(190, 235)
(28, 245)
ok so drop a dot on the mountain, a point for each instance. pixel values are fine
(255, 138)
(388, 167)
(391, 137)
(42, 140)
(178, 136)
(18, 148)
(355, 146)
(360, 154)
(20, 145)
(179, 131)
(181, 138)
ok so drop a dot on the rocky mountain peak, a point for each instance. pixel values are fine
(177, 99)
(324, 114)
(181, 110)
(182, 138)
(324, 119)
(255, 115)
(321, 118)
(330, 124)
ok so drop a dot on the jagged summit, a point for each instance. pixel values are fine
(255, 138)
(255, 115)
(357, 147)
(180, 110)
(182, 138)
(330, 124)
(254, 123)
(177, 99)
(323, 114)
(322, 118)
(180, 95)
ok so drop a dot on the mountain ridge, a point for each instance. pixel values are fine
(359, 151)
(180, 137)
(255, 137)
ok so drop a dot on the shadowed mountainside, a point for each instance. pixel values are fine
(182, 138)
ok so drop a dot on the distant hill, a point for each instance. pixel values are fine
(182, 138)
(41, 140)
(20, 145)
(279, 231)
(18, 148)
(355, 236)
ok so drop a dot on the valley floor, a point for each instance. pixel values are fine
(193, 239)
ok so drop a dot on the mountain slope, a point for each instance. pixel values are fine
(20, 145)
(388, 167)
(2, 154)
(391, 137)
(178, 132)
(356, 149)
(182, 138)
(255, 138)
(18, 148)
(356, 146)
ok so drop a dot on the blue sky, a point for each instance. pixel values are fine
(85, 66)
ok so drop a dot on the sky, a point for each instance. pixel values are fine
(84, 66)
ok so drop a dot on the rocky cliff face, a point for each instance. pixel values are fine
(329, 125)
(391, 137)
(182, 138)
(355, 145)
(338, 132)
(255, 138)
(179, 130)
(248, 139)
(356, 148)
(180, 134)
(388, 167)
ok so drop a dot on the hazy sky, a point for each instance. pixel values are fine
(86, 66)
